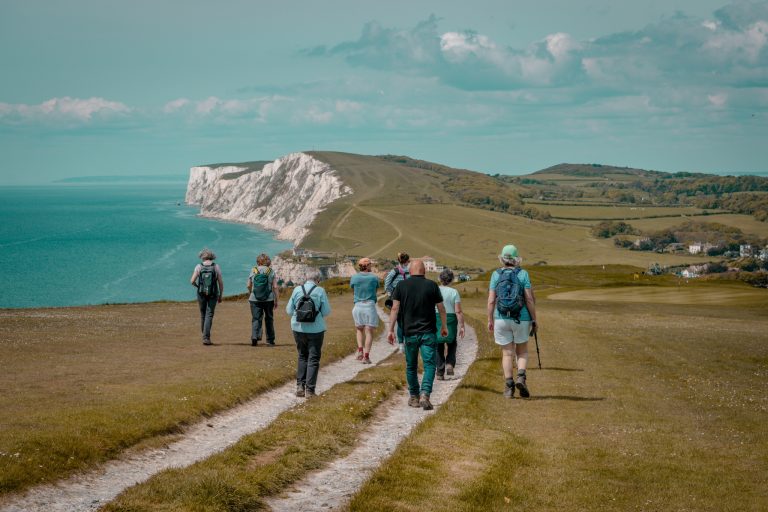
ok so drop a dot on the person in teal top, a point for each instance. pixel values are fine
(364, 284)
(308, 335)
(446, 346)
(512, 335)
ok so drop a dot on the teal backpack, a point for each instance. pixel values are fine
(207, 282)
(261, 284)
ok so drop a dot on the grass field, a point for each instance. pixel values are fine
(384, 216)
(80, 385)
(615, 211)
(640, 406)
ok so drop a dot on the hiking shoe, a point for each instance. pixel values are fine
(359, 355)
(439, 376)
(414, 401)
(366, 360)
(424, 402)
(254, 342)
(509, 391)
(270, 343)
(207, 342)
(300, 390)
(310, 393)
(520, 385)
(448, 369)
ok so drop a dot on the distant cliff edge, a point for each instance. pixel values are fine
(284, 196)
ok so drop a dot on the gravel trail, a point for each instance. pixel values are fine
(89, 491)
(332, 487)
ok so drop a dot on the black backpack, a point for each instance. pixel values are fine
(510, 295)
(306, 310)
(207, 281)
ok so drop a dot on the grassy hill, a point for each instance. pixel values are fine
(423, 208)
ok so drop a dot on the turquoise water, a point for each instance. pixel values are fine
(73, 245)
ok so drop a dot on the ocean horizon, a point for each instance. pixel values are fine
(74, 245)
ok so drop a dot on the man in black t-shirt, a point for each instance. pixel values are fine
(413, 307)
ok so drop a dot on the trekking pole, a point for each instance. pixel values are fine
(538, 355)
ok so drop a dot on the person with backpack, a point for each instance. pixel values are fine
(308, 307)
(413, 308)
(398, 274)
(446, 346)
(364, 284)
(210, 289)
(512, 318)
(262, 286)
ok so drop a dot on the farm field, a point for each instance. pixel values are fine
(616, 212)
(746, 223)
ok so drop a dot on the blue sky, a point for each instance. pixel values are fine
(94, 87)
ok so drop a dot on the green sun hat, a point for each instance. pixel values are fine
(509, 251)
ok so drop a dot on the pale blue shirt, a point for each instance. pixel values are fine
(523, 277)
(364, 285)
(450, 299)
(321, 303)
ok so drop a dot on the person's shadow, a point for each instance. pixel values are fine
(486, 389)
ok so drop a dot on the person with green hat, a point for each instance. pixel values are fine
(512, 318)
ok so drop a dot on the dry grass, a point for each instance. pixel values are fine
(640, 406)
(619, 212)
(82, 384)
(265, 463)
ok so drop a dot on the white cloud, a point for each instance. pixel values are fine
(748, 43)
(348, 106)
(718, 100)
(64, 109)
(175, 105)
(207, 105)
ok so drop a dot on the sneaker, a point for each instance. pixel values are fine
(310, 393)
(448, 369)
(366, 360)
(520, 385)
(359, 355)
(424, 402)
(270, 343)
(439, 376)
(207, 342)
(254, 342)
(509, 391)
(300, 390)
(414, 401)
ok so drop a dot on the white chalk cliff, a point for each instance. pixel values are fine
(285, 196)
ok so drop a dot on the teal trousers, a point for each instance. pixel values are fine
(427, 345)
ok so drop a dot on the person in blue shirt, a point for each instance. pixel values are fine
(308, 335)
(394, 277)
(364, 284)
(510, 334)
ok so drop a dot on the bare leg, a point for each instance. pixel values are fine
(359, 335)
(368, 339)
(508, 360)
(522, 356)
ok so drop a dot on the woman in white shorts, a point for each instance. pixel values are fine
(364, 284)
(512, 334)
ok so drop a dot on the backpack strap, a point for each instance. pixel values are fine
(306, 293)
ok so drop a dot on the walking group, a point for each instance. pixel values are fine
(425, 320)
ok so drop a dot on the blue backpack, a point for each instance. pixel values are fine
(510, 295)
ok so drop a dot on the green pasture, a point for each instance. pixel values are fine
(616, 212)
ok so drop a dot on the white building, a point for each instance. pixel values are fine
(429, 264)
(745, 250)
(700, 248)
(763, 256)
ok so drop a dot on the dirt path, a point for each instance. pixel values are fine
(331, 488)
(93, 489)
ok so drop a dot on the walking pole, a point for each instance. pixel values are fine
(538, 355)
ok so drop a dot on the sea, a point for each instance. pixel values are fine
(80, 244)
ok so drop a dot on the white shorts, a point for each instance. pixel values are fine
(364, 314)
(507, 331)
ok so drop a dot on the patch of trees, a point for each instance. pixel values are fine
(726, 239)
(607, 229)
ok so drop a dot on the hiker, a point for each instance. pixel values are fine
(413, 307)
(364, 284)
(262, 286)
(308, 307)
(210, 289)
(512, 318)
(398, 274)
(446, 346)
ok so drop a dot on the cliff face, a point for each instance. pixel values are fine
(298, 272)
(284, 196)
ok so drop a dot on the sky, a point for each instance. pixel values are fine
(105, 87)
